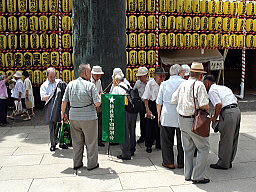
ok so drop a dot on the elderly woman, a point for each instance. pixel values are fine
(168, 118)
(3, 99)
(29, 93)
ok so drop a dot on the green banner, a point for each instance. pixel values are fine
(113, 118)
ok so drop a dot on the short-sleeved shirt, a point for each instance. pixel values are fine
(97, 85)
(82, 96)
(151, 90)
(221, 94)
(19, 88)
(169, 115)
(117, 90)
(183, 97)
(48, 88)
(125, 81)
(28, 86)
(3, 90)
(140, 86)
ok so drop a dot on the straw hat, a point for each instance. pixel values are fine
(142, 71)
(18, 74)
(97, 70)
(197, 67)
(117, 71)
(187, 69)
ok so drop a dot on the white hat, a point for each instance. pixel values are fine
(187, 69)
(18, 74)
(142, 71)
(117, 71)
(197, 67)
(97, 70)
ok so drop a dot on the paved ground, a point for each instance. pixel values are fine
(26, 164)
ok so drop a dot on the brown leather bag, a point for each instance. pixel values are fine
(201, 124)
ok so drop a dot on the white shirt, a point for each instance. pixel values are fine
(183, 97)
(140, 86)
(119, 90)
(125, 81)
(48, 88)
(169, 115)
(97, 85)
(28, 86)
(221, 94)
(19, 88)
(151, 90)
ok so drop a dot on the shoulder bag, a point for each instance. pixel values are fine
(202, 120)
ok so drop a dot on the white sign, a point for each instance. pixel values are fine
(216, 65)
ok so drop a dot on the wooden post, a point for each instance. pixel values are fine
(99, 35)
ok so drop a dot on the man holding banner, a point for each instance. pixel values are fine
(128, 147)
(83, 98)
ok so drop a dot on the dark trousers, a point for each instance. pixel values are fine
(152, 128)
(143, 122)
(52, 127)
(167, 141)
(99, 114)
(129, 145)
(3, 111)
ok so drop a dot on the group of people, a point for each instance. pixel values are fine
(21, 96)
(169, 107)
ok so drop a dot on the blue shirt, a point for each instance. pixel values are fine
(47, 88)
(19, 88)
(169, 115)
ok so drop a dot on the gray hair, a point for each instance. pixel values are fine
(82, 68)
(175, 69)
(50, 70)
(119, 77)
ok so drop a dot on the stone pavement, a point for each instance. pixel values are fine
(27, 165)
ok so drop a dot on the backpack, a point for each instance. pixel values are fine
(135, 104)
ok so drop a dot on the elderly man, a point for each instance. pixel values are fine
(149, 97)
(186, 71)
(19, 93)
(46, 92)
(140, 85)
(226, 108)
(95, 79)
(118, 71)
(183, 97)
(168, 118)
(129, 146)
(83, 98)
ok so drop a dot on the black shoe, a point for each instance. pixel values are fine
(188, 179)
(149, 149)
(141, 140)
(100, 144)
(97, 166)
(53, 148)
(132, 154)
(75, 168)
(216, 166)
(230, 166)
(63, 146)
(123, 158)
(203, 181)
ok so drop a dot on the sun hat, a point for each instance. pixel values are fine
(97, 70)
(197, 67)
(18, 74)
(117, 71)
(142, 71)
(187, 69)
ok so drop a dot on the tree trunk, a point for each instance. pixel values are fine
(99, 35)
